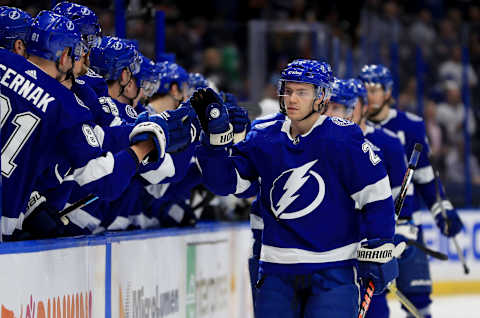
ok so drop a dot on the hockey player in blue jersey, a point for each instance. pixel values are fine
(14, 25)
(414, 278)
(349, 101)
(34, 99)
(118, 63)
(86, 22)
(309, 165)
(173, 88)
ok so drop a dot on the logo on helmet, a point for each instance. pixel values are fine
(117, 46)
(14, 15)
(294, 73)
(85, 11)
(70, 25)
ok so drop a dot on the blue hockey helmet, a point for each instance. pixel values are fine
(344, 93)
(112, 56)
(148, 77)
(50, 34)
(196, 81)
(376, 74)
(317, 73)
(360, 89)
(14, 25)
(171, 73)
(85, 20)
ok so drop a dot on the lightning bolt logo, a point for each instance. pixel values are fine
(298, 177)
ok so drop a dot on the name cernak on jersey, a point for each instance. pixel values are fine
(26, 89)
(296, 184)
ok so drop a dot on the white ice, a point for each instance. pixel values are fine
(461, 306)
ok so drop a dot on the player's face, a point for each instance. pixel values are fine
(298, 99)
(376, 97)
(336, 110)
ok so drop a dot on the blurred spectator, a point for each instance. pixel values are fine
(407, 100)
(452, 68)
(422, 32)
(434, 132)
(451, 114)
(455, 162)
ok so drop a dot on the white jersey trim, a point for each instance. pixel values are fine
(94, 170)
(280, 255)
(9, 225)
(242, 184)
(83, 219)
(256, 222)
(396, 191)
(166, 170)
(120, 223)
(424, 175)
(377, 191)
(437, 207)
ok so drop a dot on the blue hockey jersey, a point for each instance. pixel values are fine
(410, 129)
(311, 189)
(390, 150)
(43, 121)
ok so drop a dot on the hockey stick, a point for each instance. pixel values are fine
(466, 270)
(412, 164)
(428, 251)
(76, 205)
(405, 302)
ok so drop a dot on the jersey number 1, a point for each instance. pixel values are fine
(25, 123)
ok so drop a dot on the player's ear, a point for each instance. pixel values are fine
(64, 58)
(174, 90)
(20, 48)
(124, 77)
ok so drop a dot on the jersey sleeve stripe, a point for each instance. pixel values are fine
(94, 170)
(256, 222)
(396, 191)
(166, 170)
(242, 184)
(83, 219)
(377, 191)
(424, 175)
(437, 207)
(280, 255)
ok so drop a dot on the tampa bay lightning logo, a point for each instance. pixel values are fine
(14, 15)
(295, 183)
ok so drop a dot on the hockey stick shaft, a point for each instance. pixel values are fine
(428, 251)
(76, 205)
(466, 270)
(412, 164)
(405, 302)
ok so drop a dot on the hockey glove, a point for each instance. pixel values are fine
(451, 225)
(178, 214)
(43, 222)
(147, 127)
(179, 123)
(377, 261)
(239, 119)
(213, 116)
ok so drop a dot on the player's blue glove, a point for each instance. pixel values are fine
(377, 261)
(179, 122)
(196, 128)
(213, 116)
(154, 127)
(239, 119)
(451, 225)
